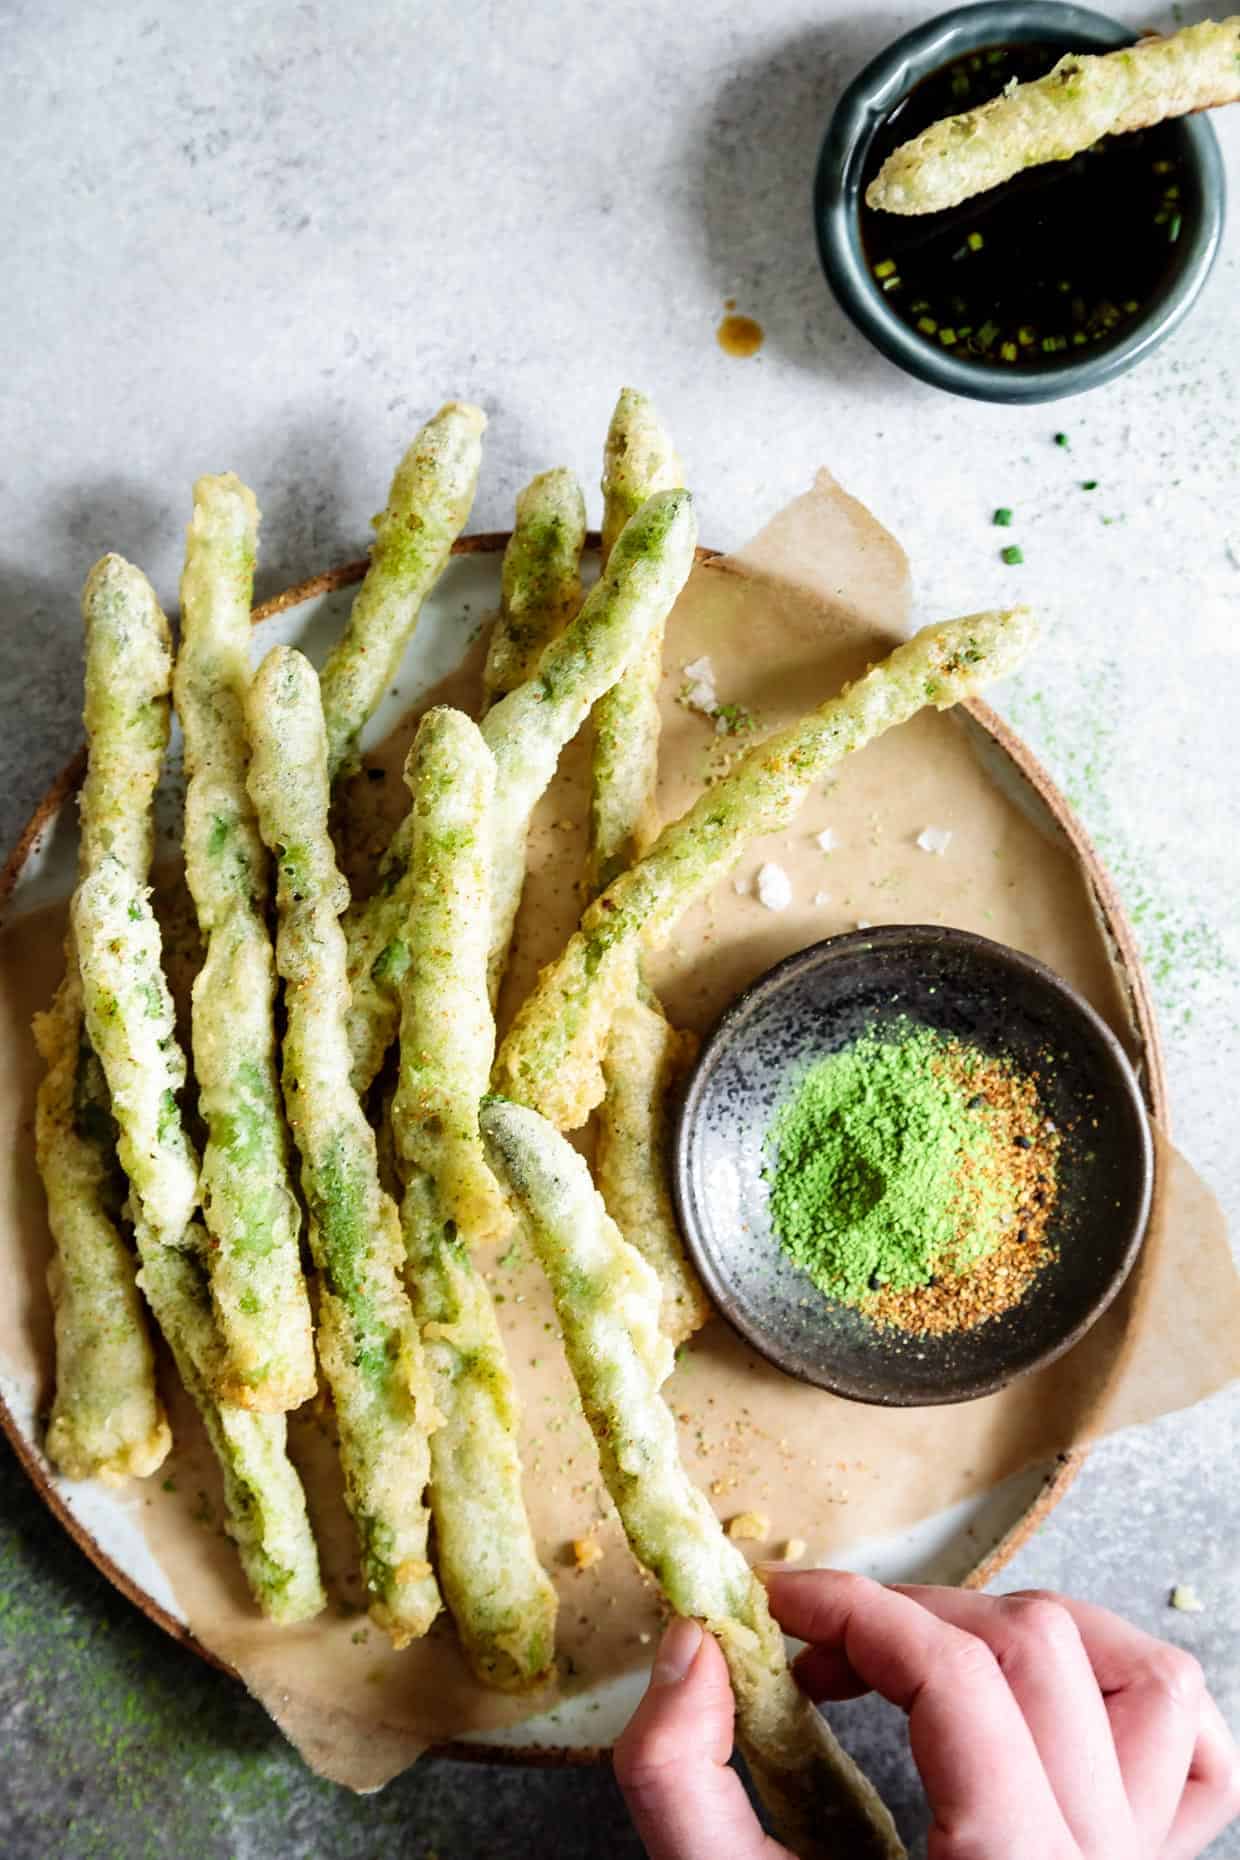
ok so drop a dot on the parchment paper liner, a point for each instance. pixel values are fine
(820, 592)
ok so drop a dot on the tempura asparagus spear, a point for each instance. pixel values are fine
(267, 1359)
(503, 1604)
(1057, 116)
(607, 1301)
(130, 1018)
(263, 1498)
(368, 1341)
(447, 1029)
(132, 1027)
(552, 1056)
(638, 461)
(525, 732)
(644, 1061)
(106, 1418)
(427, 508)
(528, 729)
(645, 1053)
(540, 588)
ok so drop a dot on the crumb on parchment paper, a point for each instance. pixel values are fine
(585, 1552)
(749, 1527)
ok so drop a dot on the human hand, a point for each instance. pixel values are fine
(1042, 1728)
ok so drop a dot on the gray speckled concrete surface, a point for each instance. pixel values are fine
(272, 237)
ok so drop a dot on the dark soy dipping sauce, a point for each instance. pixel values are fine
(1056, 260)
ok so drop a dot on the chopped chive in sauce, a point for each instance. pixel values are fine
(1089, 484)
(1013, 554)
(1003, 517)
(1061, 439)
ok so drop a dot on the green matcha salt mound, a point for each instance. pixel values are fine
(886, 1167)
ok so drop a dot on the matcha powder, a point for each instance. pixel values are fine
(897, 1160)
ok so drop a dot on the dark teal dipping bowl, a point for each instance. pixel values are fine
(859, 116)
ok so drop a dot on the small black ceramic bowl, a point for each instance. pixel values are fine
(985, 995)
(884, 86)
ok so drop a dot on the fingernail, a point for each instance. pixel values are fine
(676, 1653)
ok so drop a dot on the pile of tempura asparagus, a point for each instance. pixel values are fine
(405, 1335)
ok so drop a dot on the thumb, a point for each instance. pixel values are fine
(671, 1760)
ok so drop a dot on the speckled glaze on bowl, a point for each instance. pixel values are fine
(820, 1000)
(870, 99)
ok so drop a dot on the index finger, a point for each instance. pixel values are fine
(973, 1750)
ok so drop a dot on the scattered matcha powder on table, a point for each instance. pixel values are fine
(903, 1163)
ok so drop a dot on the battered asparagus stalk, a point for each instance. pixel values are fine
(645, 1059)
(645, 1054)
(638, 461)
(368, 1342)
(540, 587)
(427, 508)
(552, 1056)
(525, 732)
(607, 1301)
(130, 1019)
(267, 1359)
(447, 1029)
(132, 1027)
(1061, 114)
(500, 1596)
(107, 1419)
(263, 1497)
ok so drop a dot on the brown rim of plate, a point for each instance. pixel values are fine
(1150, 1070)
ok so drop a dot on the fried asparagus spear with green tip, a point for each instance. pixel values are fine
(130, 1018)
(638, 461)
(645, 1054)
(250, 1210)
(525, 732)
(106, 1418)
(607, 1301)
(1058, 116)
(540, 588)
(552, 1057)
(427, 508)
(499, 1594)
(368, 1341)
